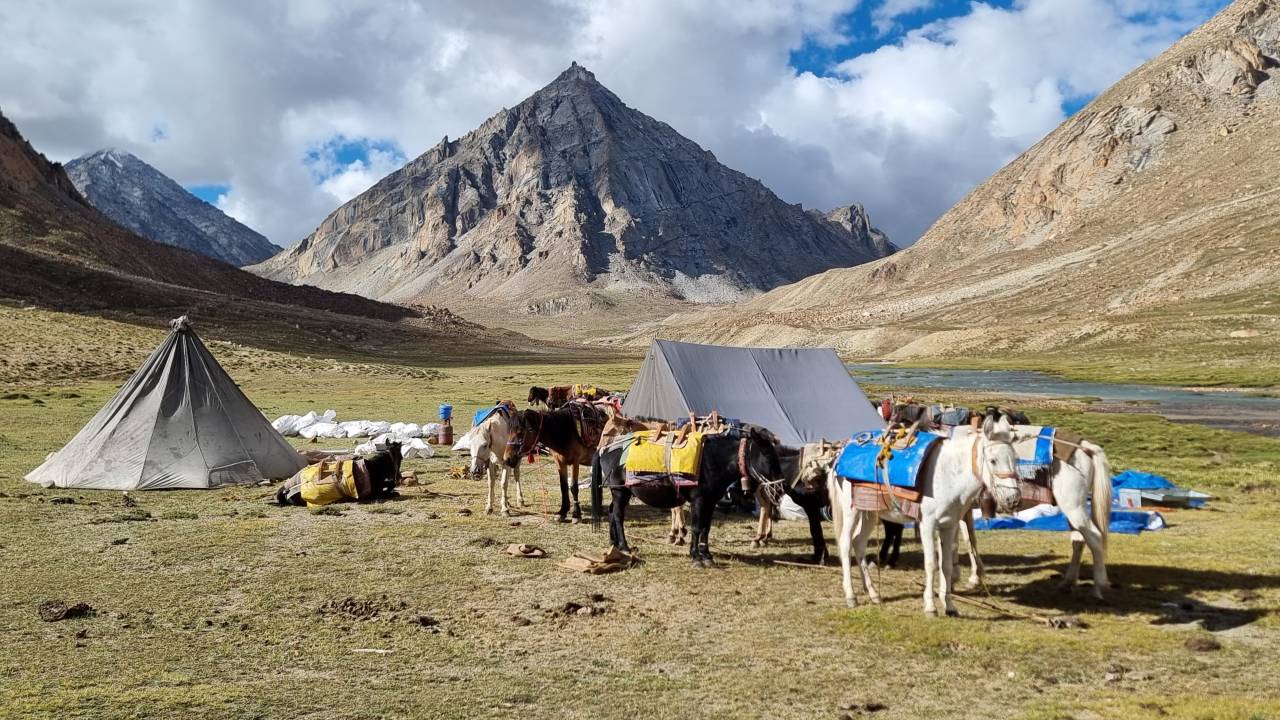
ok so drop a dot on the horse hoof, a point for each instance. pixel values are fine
(755, 543)
(697, 564)
(488, 511)
(850, 602)
(506, 513)
(679, 540)
(930, 612)
(952, 612)
(875, 599)
(561, 519)
(575, 520)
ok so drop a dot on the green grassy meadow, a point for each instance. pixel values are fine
(217, 604)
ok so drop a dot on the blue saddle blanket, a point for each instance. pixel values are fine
(857, 460)
(483, 414)
(1035, 454)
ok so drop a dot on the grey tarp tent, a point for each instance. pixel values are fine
(179, 422)
(801, 394)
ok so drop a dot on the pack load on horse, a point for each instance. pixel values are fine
(688, 465)
(570, 434)
(946, 474)
(344, 478)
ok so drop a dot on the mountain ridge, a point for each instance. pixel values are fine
(140, 198)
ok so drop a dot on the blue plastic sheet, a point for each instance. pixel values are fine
(1138, 480)
(1123, 523)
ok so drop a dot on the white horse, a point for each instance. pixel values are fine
(951, 481)
(1082, 489)
(487, 441)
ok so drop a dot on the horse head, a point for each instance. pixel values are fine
(484, 438)
(995, 463)
(522, 436)
(537, 395)
(761, 462)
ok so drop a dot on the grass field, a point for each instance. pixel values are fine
(219, 604)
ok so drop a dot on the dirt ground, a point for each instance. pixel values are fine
(219, 604)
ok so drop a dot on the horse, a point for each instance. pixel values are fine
(951, 480)
(1082, 489)
(618, 425)
(382, 469)
(726, 459)
(559, 395)
(804, 474)
(557, 431)
(488, 442)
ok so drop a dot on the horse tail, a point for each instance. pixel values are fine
(597, 488)
(1101, 491)
(837, 509)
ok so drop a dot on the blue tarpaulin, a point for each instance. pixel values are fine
(1138, 480)
(1123, 522)
(483, 414)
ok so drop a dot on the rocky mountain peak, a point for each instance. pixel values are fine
(146, 201)
(569, 192)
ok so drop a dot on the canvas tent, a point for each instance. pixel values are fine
(801, 394)
(179, 422)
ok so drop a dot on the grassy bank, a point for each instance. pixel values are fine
(218, 604)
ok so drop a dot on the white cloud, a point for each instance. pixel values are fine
(885, 15)
(245, 91)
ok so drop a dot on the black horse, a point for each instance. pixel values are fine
(726, 459)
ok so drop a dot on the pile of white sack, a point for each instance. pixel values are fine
(326, 425)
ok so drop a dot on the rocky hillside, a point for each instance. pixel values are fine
(569, 201)
(146, 201)
(1150, 219)
(58, 252)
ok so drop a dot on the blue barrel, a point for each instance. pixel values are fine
(446, 412)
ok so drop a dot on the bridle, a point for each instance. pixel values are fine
(524, 432)
(976, 465)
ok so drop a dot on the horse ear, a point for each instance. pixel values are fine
(988, 426)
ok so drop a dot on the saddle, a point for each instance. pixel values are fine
(506, 407)
(589, 421)
(883, 468)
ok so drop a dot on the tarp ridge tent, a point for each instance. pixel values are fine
(802, 394)
(180, 421)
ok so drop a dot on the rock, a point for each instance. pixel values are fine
(55, 610)
(568, 188)
(144, 200)
(1203, 643)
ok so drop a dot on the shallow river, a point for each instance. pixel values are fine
(1230, 410)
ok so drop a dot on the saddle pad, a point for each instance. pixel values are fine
(1035, 451)
(646, 456)
(857, 460)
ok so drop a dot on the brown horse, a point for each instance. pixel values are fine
(560, 432)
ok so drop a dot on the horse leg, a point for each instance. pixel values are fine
(618, 518)
(675, 536)
(702, 532)
(929, 547)
(515, 475)
(947, 538)
(891, 543)
(844, 538)
(813, 509)
(506, 509)
(695, 519)
(488, 501)
(977, 572)
(865, 523)
(1086, 533)
(563, 514)
(764, 523)
(577, 509)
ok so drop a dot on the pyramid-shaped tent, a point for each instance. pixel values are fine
(802, 394)
(179, 422)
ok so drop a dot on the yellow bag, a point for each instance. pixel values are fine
(326, 483)
(647, 456)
